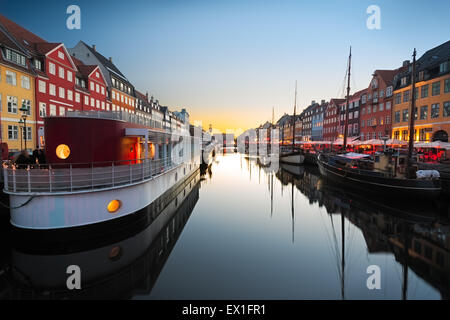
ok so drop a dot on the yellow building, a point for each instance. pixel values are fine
(432, 116)
(16, 90)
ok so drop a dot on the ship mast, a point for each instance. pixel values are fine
(412, 113)
(344, 145)
(293, 119)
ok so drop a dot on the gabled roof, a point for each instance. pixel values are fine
(388, 75)
(45, 47)
(434, 56)
(106, 62)
(26, 38)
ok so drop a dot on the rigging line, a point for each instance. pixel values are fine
(338, 255)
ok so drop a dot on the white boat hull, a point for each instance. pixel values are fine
(75, 209)
(292, 159)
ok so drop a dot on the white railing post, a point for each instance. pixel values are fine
(131, 173)
(28, 178)
(112, 166)
(14, 180)
(5, 177)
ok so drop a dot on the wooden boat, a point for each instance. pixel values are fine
(390, 180)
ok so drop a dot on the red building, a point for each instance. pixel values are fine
(90, 87)
(56, 87)
(331, 120)
(376, 116)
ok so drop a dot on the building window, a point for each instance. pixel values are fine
(69, 95)
(62, 111)
(52, 89)
(42, 86)
(69, 75)
(52, 68)
(60, 55)
(388, 105)
(52, 110)
(422, 135)
(28, 134)
(13, 132)
(11, 78)
(423, 112)
(38, 64)
(406, 96)
(424, 91)
(375, 108)
(363, 99)
(381, 107)
(42, 110)
(397, 135)
(447, 109)
(27, 104)
(97, 104)
(444, 66)
(61, 72)
(103, 90)
(403, 81)
(103, 105)
(389, 91)
(92, 102)
(25, 82)
(435, 110)
(15, 57)
(388, 119)
(77, 97)
(405, 135)
(398, 98)
(12, 104)
(97, 88)
(405, 115)
(436, 88)
(447, 85)
(92, 86)
(86, 100)
(62, 93)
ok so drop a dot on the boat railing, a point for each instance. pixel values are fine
(73, 177)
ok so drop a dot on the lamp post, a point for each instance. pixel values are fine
(21, 132)
(24, 110)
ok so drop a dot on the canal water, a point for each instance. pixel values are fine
(242, 230)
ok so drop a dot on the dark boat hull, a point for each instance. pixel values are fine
(387, 186)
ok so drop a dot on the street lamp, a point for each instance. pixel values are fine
(21, 132)
(24, 110)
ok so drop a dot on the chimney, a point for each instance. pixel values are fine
(93, 47)
(406, 63)
(313, 102)
(110, 59)
(146, 95)
(323, 102)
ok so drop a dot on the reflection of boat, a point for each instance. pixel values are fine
(415, 232)
(292, 169)
(111, 268)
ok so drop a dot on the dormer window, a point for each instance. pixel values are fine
(15, 57)
(403, 81)
(38, 64)
(374, 83)
(444, 67)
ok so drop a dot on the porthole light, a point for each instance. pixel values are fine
(63, 151)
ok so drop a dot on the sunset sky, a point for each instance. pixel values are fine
(229, 62)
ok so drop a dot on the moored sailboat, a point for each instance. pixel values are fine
(390, 173)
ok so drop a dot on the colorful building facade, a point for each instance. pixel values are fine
(432, 114)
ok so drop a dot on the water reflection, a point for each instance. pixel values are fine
(117, 267)
(417, 233)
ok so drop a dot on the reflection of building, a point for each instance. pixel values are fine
(432, 97)
(121, 269)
